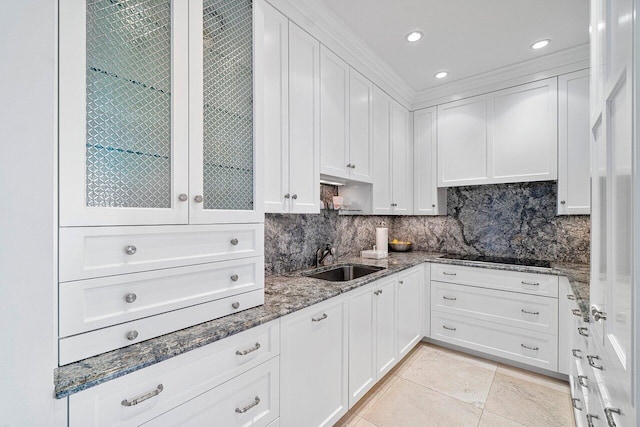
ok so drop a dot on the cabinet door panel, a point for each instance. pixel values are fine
(381, 153)
(427, 198)
(524, 143)
(463, 142)
(225, 98)
(304, 120)
(123, 126)
(402, 161)
(386, 326)
(314, 361)
(362, 344)
(410, 309)
(276, 123)
(334, 115)
(360, 127)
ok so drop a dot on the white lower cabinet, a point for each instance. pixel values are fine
(410, 309)
(234, 372)
(314, 362)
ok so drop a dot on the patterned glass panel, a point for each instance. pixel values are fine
(228, 105)
(128, 103)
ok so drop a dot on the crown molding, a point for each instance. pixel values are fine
(319, 21)
(551, 65)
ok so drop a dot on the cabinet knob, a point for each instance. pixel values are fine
(294, 197)
(287, 196)
(433, 206)
(401, 282)
(349, 165)
(597, 314)
(234, 241)
(353, 166)
(132, 335)
(130, 250)
(198, 199)
(234, 278)
(183, 197)
(235, 305)
(130, 298)
(562, 202)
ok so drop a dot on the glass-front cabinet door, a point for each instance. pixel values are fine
(123, 112)
(156, 110)
(224, 91)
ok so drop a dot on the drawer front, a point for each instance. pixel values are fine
(97, 303)
(521, 345)
(182, 378)
(249, 399)
(507, 308)
(579, 403)
(528, 283)
(89, 252)
(89, 344)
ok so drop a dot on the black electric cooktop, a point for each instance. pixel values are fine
(500, 260)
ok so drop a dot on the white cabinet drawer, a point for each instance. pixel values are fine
(521, 345)
(251, 399)
(89, 252)
(183, 378)
(528, 283)
(507, 308)
(97, 303)
(78, 347)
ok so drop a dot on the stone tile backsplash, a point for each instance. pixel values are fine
(517, 220)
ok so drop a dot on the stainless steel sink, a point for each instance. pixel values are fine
(344, 273)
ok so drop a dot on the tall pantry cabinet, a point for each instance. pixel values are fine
(160, 106)
(612, 376)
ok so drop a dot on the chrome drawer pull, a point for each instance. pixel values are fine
(608, 413)
(533, 313)
(574, 402)
(576, 353)
(130, 298)
(318, 319)
(249, 350)
(571, 297)
(529, 283)
(448, 328)
(529, 348)
(592, 363)
(449, 298)
(583, 331)
(582, 380)
(143, 397)
(130, 250)
(378, 292)
(590, 419)
(249, 406)
(234, 277)
(576, 312)
(448, 274)
(132, 335)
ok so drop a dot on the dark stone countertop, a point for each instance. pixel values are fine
(284, 294)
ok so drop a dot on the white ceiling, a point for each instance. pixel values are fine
(464, 37)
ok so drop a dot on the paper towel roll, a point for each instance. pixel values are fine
(382, 239)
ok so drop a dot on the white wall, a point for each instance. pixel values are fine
(28, 39)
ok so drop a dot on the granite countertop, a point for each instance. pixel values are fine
(284, 294)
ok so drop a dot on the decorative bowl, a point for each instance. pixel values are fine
(400, 246)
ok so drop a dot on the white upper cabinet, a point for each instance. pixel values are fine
(504, 136)
(381, 200)
(428, 199)
(573, 144)
(360, 127)
(291, 138)
(334, 115)
(157, 122)
(401, 160)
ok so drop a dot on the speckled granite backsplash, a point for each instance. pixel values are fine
(514, 220)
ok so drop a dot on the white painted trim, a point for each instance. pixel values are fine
(323, 24)
(552, 65)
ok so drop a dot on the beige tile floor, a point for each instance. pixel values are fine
(435, 386)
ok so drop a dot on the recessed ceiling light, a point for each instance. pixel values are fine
(540, 44)
(414, 36)
(441, 74)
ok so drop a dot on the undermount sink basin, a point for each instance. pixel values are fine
(345, 273)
